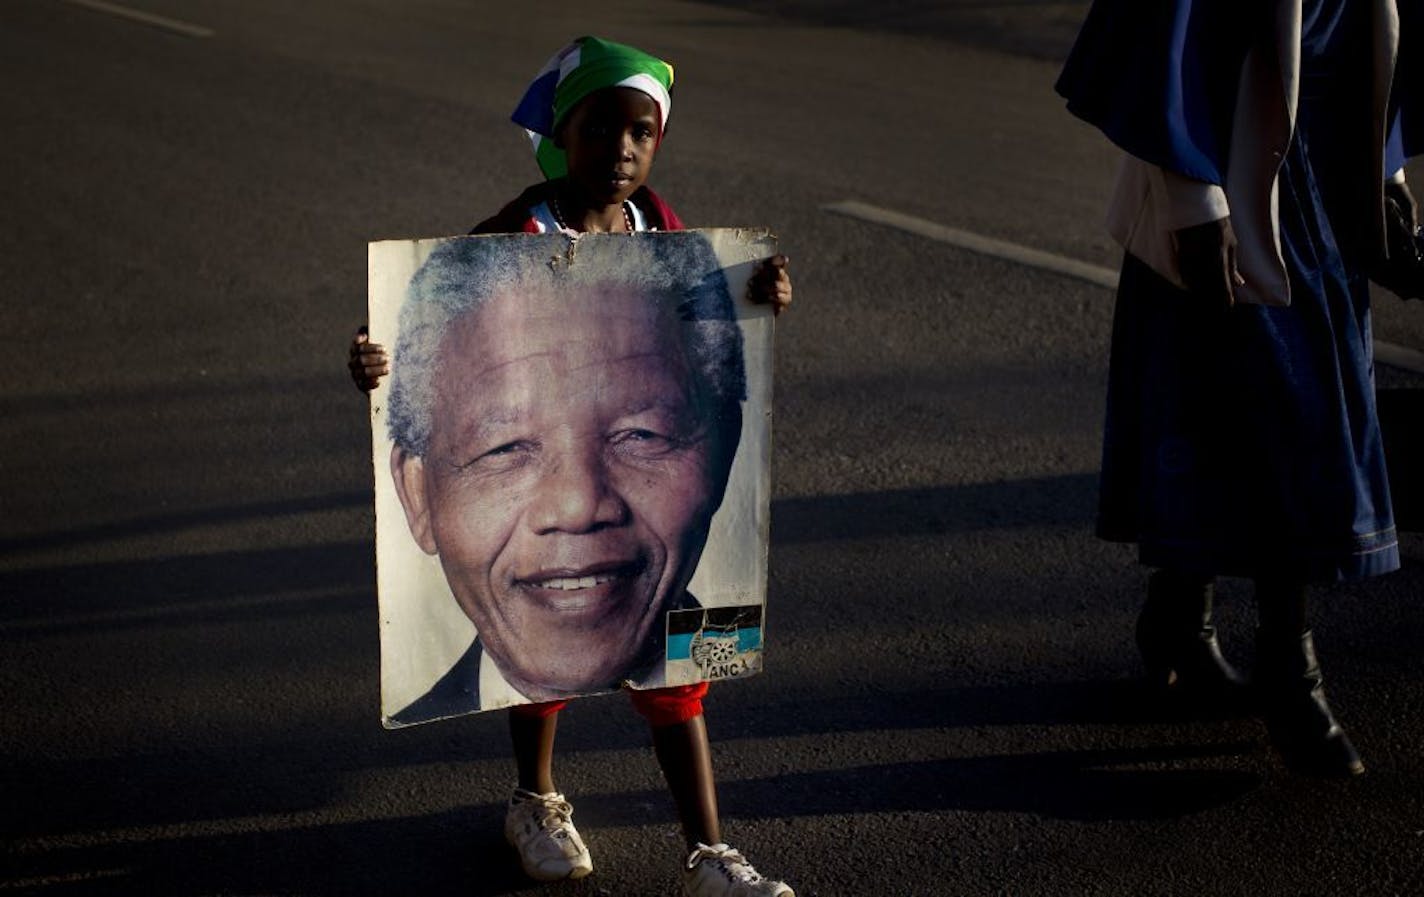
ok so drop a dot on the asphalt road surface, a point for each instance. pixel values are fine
(951, 703)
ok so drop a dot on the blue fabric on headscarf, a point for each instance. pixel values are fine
(535, 111)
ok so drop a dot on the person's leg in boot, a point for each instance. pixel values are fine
(712, 868)
(1291, 688)
(1178, 642)
(539, 821)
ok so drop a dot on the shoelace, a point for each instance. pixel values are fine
(557, 812)
(728, 860)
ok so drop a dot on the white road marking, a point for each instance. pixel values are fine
(1385, 353)
(1023, 255)
(137, 15)
(1399, 356)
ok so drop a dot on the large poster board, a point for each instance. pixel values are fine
(572, 465)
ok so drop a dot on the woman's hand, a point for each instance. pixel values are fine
(1206, 255)
(369, 362)
(1402, 270)
(770, 283)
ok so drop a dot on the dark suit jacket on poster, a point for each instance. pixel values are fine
(458, 691)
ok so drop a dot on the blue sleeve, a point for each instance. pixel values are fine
(1406, 137)
(1159, 79)
(1394, 154)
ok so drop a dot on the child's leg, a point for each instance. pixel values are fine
(686, 758)
(680, 741)
(712, 868)
(539, 821)
(531, 731)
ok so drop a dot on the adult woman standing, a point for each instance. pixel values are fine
(1262, 187)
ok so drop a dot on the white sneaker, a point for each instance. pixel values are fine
(720, 871)
(541, 828)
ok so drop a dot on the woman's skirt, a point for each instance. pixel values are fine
(1245, 442)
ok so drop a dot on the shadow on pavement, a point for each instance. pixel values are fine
(454, 853)
(115, 594)
(232, 586)
(461, 852)
(255, 819)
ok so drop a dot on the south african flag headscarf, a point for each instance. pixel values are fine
(586, 65)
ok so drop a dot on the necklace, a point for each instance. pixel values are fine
(563, 225)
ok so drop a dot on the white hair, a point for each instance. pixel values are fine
(678, 268)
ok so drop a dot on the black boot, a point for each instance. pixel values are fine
(1178, 642)
(1297, 716)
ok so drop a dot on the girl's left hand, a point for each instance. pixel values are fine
(770, 283)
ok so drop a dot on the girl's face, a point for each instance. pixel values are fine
(610, 138)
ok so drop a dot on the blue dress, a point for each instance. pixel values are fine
(1246, 442)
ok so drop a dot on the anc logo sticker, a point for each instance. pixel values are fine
(721, 642)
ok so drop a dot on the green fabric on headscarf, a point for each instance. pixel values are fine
(606, 64)
(596, 64)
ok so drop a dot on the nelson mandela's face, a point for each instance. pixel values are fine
(573, 468)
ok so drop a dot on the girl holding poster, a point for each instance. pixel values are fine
(596, 114)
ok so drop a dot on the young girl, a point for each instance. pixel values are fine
(596, 114)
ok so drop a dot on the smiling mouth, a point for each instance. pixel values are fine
(589, 582)
(571, 583)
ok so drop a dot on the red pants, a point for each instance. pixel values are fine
(659, 706)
